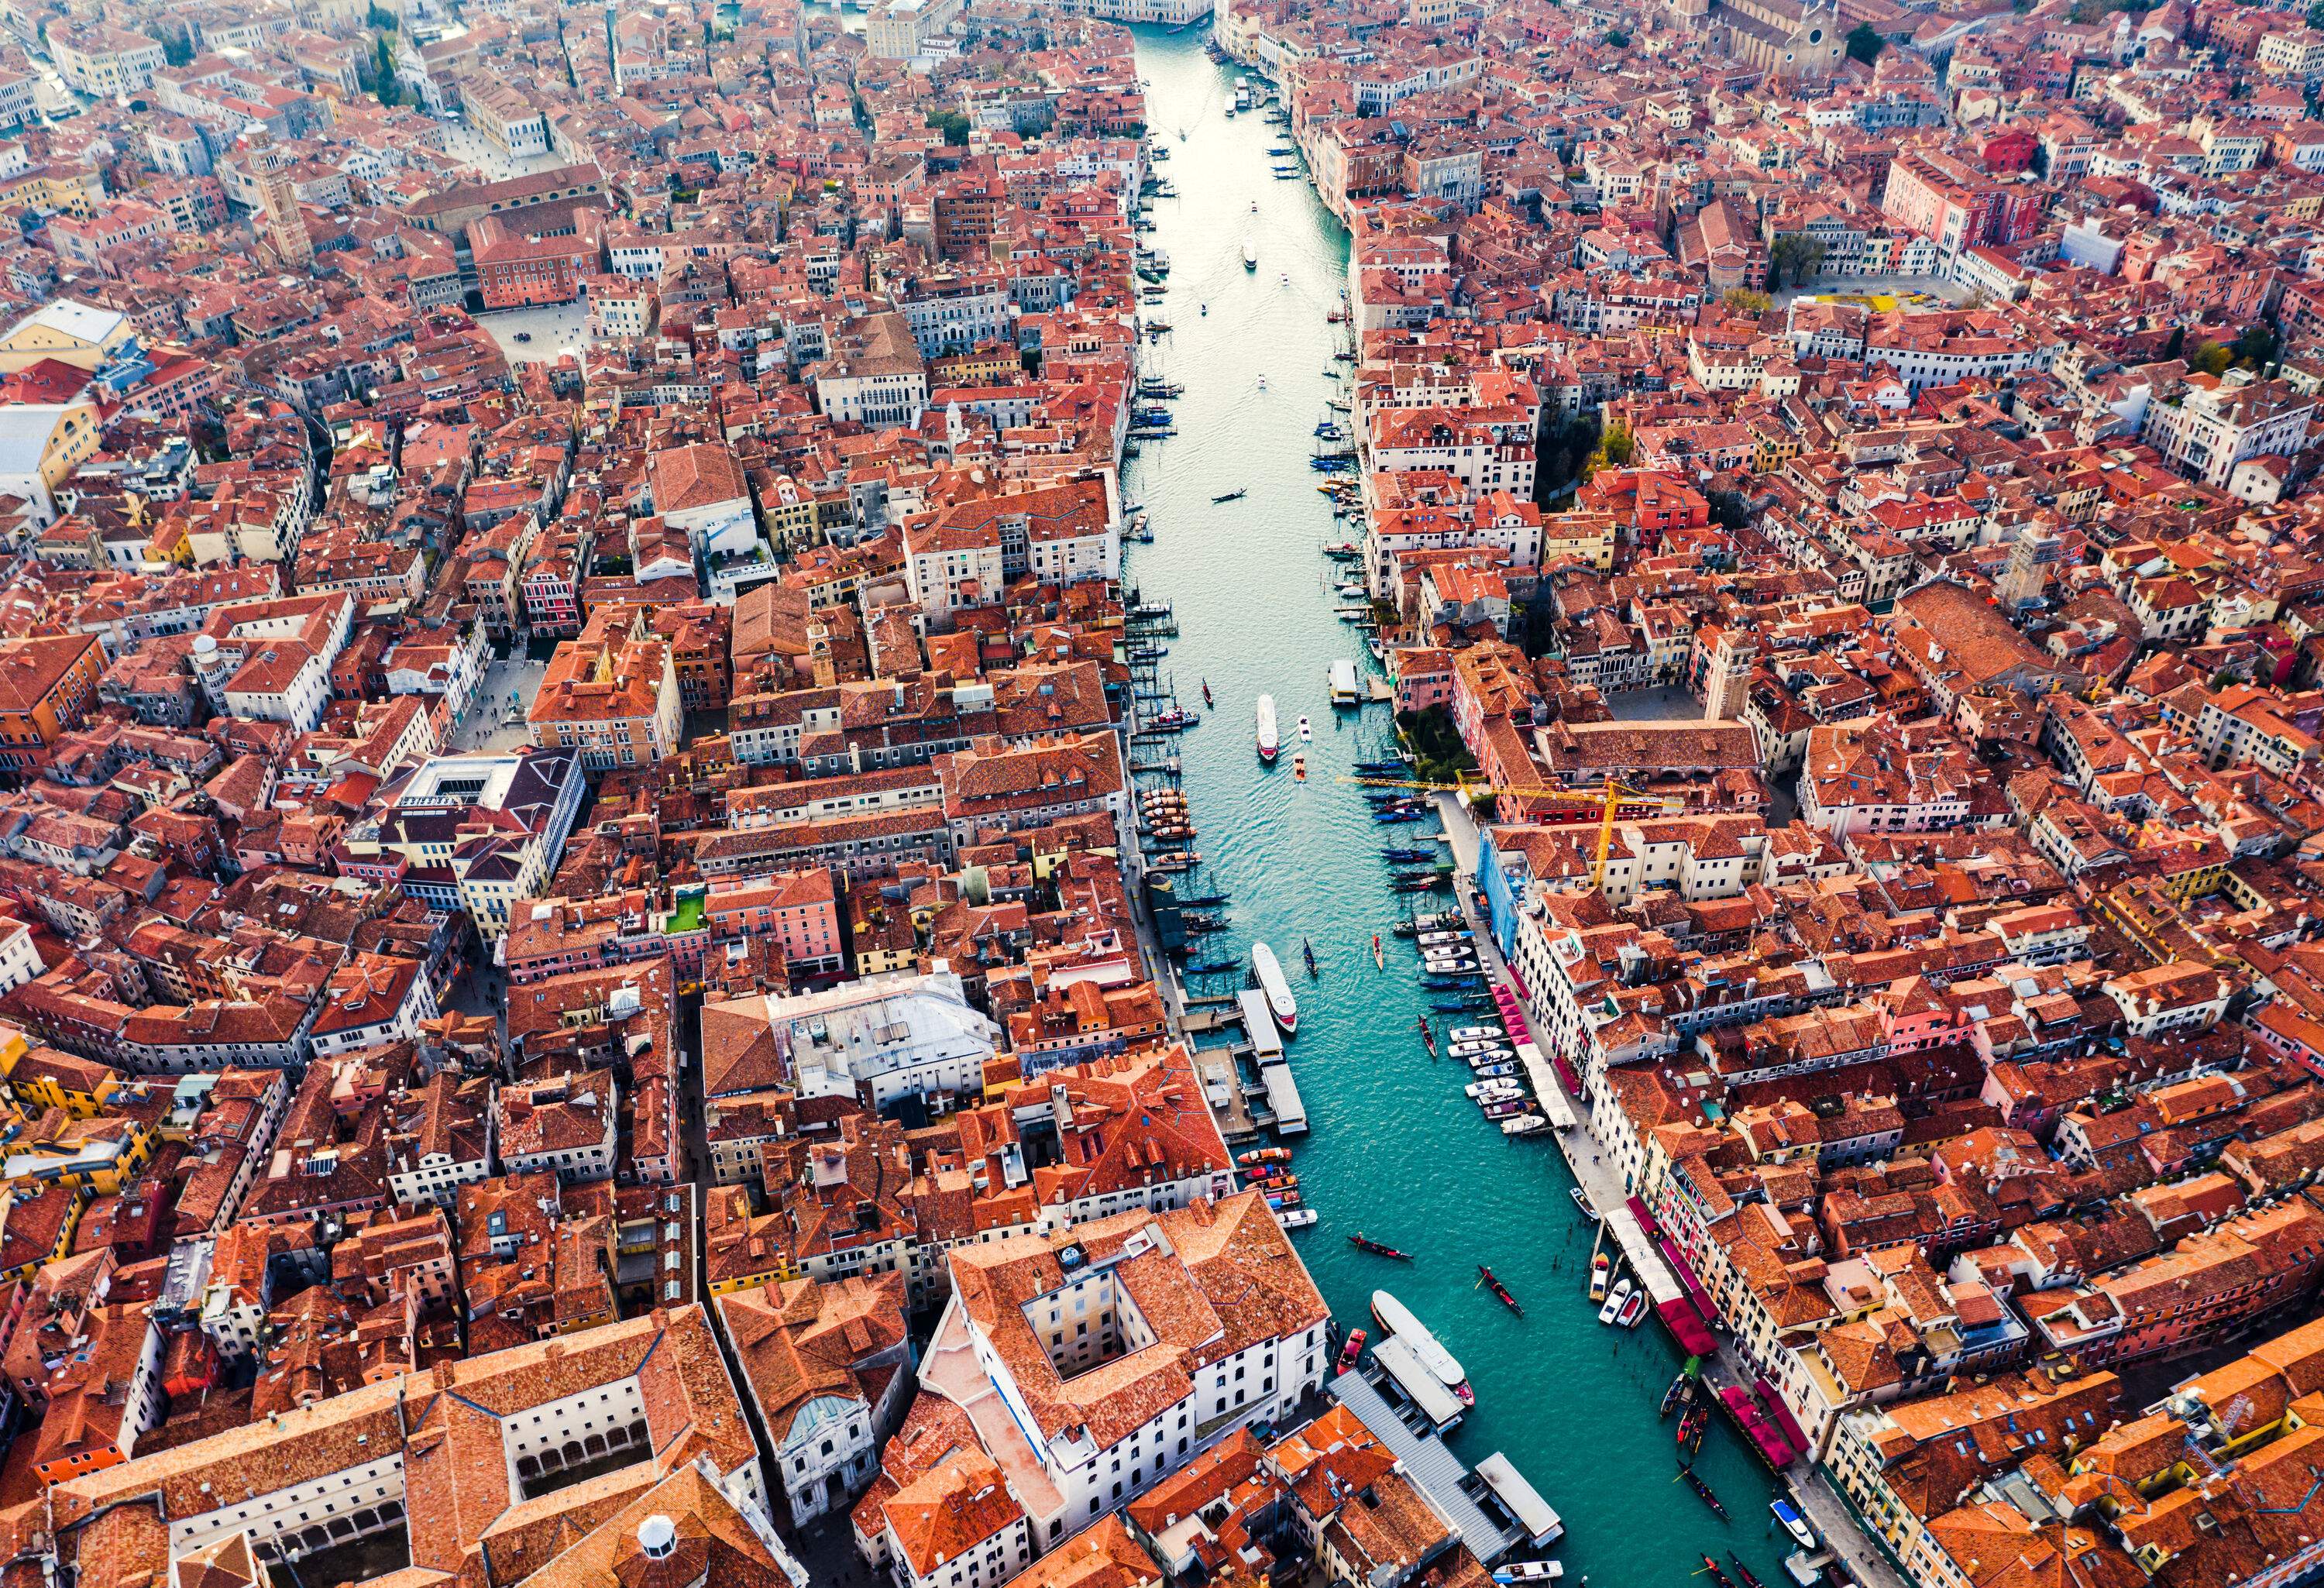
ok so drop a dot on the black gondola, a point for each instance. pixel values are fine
(1237, 494)
(1743, 1573)
(1363, 1242)
(1501, 1292)
(1681, 1390)
(1308, 949)
(1711, 1569)
(1702, 1492)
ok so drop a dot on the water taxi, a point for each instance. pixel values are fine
(1601, 1270)
(1353, 1348)
(1394, 1317)
(1250, 253)
(1524, 1124)
(1788, 1516)
(1270, 744)
(1615, 1301)
(1306, 733)
(1529, 1571)
(1281, 1004)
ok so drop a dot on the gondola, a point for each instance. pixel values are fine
(1681, 1389)
(1427, 1037)
(1743, 1573)
(1308, 948)
(1363, 1242)
(1237, 494)
(1501, 1292)
(1702, 1492)
(1711, 1569)
(1400, 856)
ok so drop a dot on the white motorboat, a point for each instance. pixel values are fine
(1281, 1004)
(1305, 733)
(1394, 1317)
(1524, 1124)
(1270, 741)
(1614, 1300)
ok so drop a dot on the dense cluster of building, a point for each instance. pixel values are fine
(570, 992)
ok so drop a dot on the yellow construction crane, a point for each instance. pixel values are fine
(1607, 802)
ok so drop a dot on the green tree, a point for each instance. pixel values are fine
(2315, 15)
(1794, 257)
(390, 91)
(2210, 358)
(2257, 347)
(177, 50)
(1744, 301)
(1615, 449)
(1617, 39)
(1865, 43)
(2178, 343)
(954, 127)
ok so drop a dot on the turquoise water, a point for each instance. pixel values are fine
(1395, 1149)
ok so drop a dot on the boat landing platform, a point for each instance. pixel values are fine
(1484, 1522)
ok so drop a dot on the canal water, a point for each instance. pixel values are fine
(1395, 1149)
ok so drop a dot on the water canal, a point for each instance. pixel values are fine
(1395, 1149)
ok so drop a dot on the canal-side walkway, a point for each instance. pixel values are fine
(1822, 1504)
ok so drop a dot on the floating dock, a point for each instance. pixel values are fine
(1439, 1405)
(1286, 1113)
(1542, 1524)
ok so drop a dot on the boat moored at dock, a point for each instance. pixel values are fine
(1268, 972)
(1394, 1317)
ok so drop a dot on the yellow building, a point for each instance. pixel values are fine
(741, 1252)
(70, 332)
(42, 1078)
(100, 1155)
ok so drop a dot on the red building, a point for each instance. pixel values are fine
(515, 267)
(2011, 149)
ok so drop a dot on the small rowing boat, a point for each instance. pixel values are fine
(1581, 1200)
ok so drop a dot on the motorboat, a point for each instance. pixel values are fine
(1498, 1070)
(1443, 940)
(1353, 1348)
(1524, 1124)
(1250, 253)
(1466, 1049)
(1268, 972)
(1299, 766)
(1601, 1270)
(1529, 1571)
(1260, 1155)
(1394, 1317)
(1633, 1310)
(1792, 1522)
(1477, 1033)
(1492, 1090)
(1506, 1108)
(1305, 732)
(1270, 743)
(1485, 1063)
(1615, 1301)
(1295, 1218)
